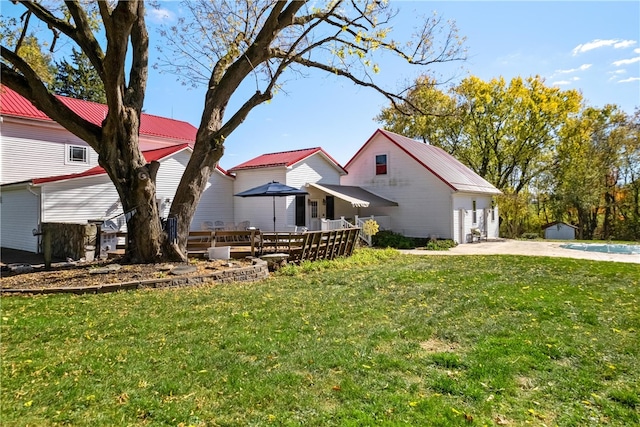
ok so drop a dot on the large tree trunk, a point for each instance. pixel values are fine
(134, 180)
(208, 150)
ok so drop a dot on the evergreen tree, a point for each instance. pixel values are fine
(80, 80)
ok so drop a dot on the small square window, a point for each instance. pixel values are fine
(381, 164)
(77, 154)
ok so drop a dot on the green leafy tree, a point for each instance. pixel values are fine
(504, 132)
(224, 44)
(595, 172)
(79, 80)
(628, 221)
(15, 37)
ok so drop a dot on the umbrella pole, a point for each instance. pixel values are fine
(274, 213)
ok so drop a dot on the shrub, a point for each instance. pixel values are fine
(440, 245)
(389, 239)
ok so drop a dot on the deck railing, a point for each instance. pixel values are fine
(311, 245)
(337, 224)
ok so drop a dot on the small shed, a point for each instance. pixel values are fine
(560, 231)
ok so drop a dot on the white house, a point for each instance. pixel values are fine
(295, 169)
(436, 195)
(49, 175)
(90, 195)
(33, 145)
(560, 231)
(418, 189)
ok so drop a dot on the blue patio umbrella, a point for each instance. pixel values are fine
(273, 189)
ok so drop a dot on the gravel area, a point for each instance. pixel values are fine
(526, 247)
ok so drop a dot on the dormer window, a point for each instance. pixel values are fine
(381, 164)
(77, 154)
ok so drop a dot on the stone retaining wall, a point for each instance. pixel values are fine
(253, 273)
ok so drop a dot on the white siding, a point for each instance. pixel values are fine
(79, 200)
(19, 215)
(464, 202)
(216, 203)
(259, 210)
(314, 169)
(38, 150)
(424, 201)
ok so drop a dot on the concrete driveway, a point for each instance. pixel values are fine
(526, 247)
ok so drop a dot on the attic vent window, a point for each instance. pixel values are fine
(381, 164)
(77, 154)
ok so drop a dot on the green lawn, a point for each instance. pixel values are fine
(378, 339)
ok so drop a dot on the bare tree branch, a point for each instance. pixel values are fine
(81, 33)
(28, 84)
(140, 63)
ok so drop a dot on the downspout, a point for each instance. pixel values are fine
(29, 186)
(39, 243)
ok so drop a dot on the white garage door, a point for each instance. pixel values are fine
(19, 215)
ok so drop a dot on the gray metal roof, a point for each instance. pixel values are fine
(357, 196)
(442, 164)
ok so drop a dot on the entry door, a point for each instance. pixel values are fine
(461, 234)
(314, 214)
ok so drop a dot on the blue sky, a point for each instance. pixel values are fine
(590, 46)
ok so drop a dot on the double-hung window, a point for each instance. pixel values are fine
(381, 164)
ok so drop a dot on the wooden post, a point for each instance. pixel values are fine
(46, 246)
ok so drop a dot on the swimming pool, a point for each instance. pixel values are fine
(604, 247)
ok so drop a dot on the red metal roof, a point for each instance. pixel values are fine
(284, 159)
(150, 155)
(13, 104)
(437, 161)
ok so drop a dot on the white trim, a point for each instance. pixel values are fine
(68, 160)
(375, 164)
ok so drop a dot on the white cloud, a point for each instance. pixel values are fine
(629, 80)
(626, 61)
(598, 43)
(583, 67)
(624, 43)
(636, 50)
(561, 83)
(160, 15)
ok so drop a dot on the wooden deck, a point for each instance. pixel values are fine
(311, 245)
